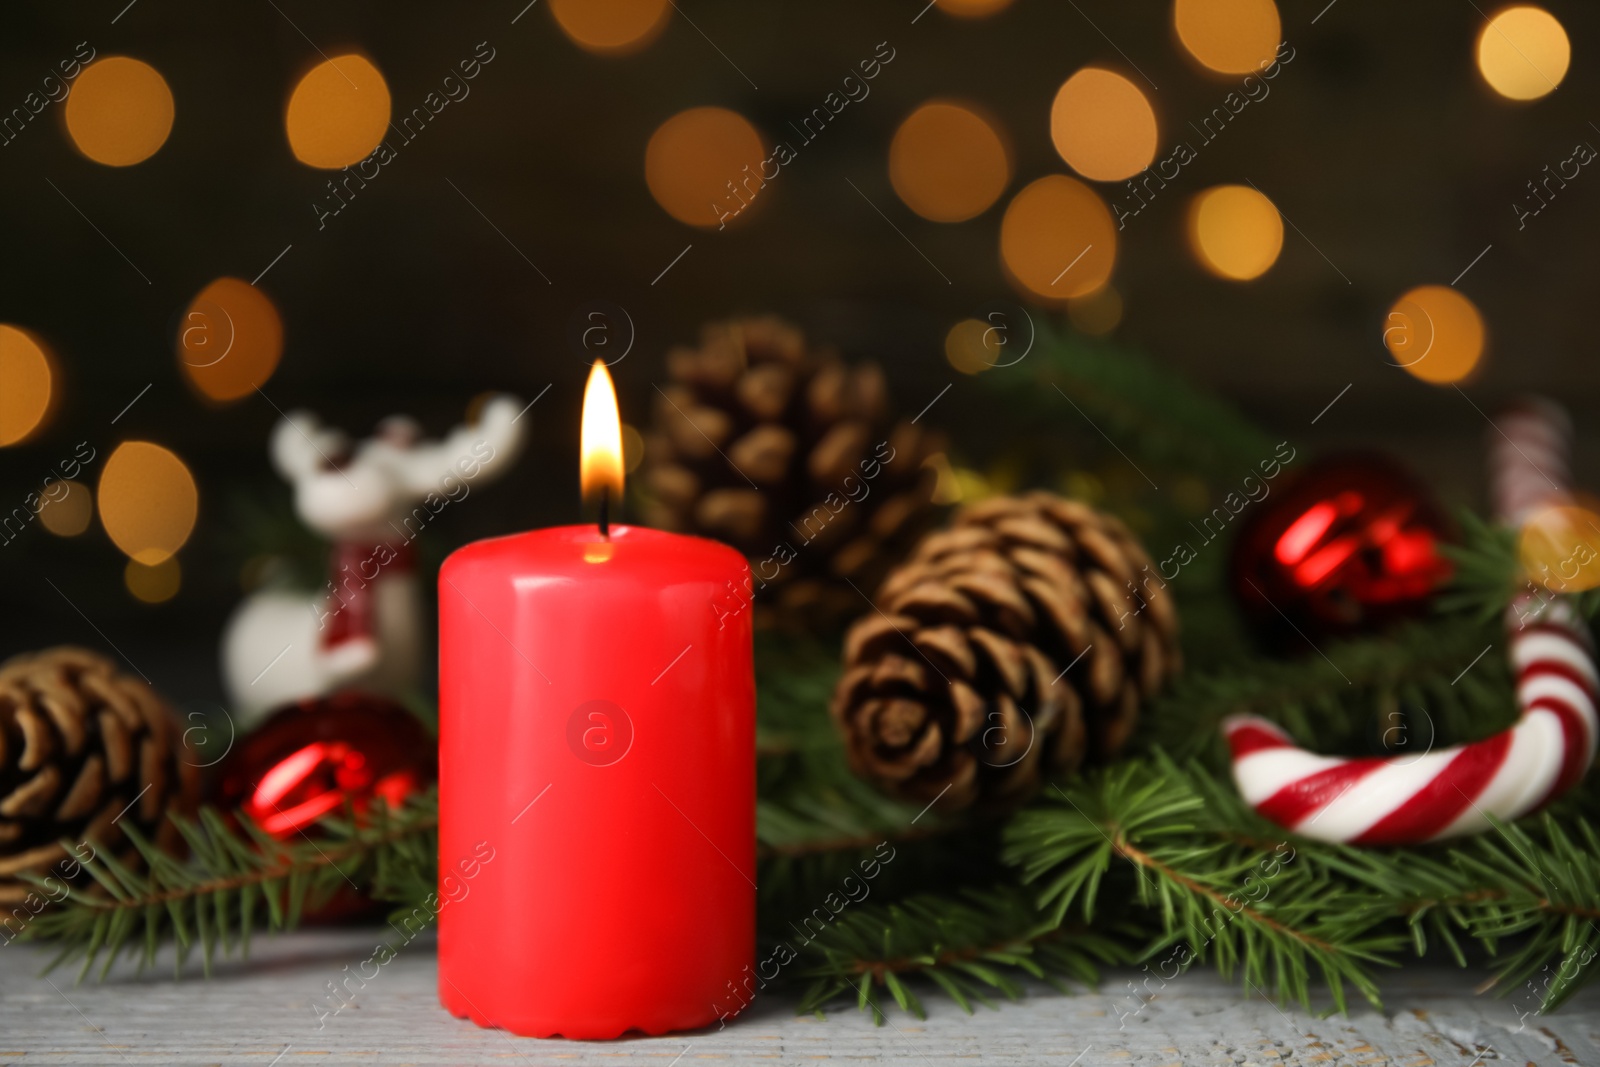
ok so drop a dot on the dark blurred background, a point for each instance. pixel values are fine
(1394, 164)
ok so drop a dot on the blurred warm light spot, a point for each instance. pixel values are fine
(1235, 231)
(1523, 52)
(972, 486)
(970, 348)
(338, 113)
(972, 9)
(1560, 548)
(704, 163)
(1096, 313)
(1103, 126)
(1435, 333)
(68, 507)
(119, 112)
(229, 339)
(611, 26)
(1229, 36)
(27, 384)
(946, 484)
(947, 162)
(148, 501)
(1057, 239)
(632, 448)
(156, 584)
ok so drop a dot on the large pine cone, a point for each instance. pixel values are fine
(84, 751)
(1022, 638)
(788, 455)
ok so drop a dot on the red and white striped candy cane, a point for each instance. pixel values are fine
(1402, 800)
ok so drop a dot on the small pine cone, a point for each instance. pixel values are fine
(84, 751)
(788, 455)
(1019, 641)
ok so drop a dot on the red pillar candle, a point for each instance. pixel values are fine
(597, 733)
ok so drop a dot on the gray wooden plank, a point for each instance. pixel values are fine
(265, 1013)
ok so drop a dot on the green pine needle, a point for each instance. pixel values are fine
(212, 901)
(1170, 839)
(970, 944)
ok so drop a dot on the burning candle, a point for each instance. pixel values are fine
(597, 733)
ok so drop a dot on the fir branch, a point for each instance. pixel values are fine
(1535, 883)
(1489, 575)
(236, 881)
(1405, 689)
(815, 818)
(1169, 831)
(969, 945)
(1151, 411)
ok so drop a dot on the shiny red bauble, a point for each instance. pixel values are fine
(1349, 545)
(315, 757)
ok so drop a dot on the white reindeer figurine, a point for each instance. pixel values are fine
(365, 628)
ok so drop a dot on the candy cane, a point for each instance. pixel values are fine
(1404, 800)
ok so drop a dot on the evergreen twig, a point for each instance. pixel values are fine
(1489, 575)
(1270, 915)
(1152, 411)
(237, 880)
(1403, 690)
(970, 945)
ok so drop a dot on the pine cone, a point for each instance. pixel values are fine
(1021, 639)
(789, 456)
(84, 751)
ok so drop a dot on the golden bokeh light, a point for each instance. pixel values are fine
(947, 162)
(703, 166)
(119, 112)
(338, 112)
(1057, 239)
(970, 347)
(614, 27)
(1435, 333)
(153, 584)
(1103, 125)
(1235, 231)
(946, 481)
(1523, 52)
(1096, 313)
(229, 339)
(68, 507)
(27, 384)
(148, 501)
(1229, 36)
(972, 9)
(1560, 548)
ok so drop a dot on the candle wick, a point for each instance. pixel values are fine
(605, 512)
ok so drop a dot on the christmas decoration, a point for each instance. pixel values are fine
(1023, 637)
(629, 694)
(371, 500)
(789, 455)
(1414, 798)
(89, 755)
(1152, 850)
(320, 757)
(1351, 545)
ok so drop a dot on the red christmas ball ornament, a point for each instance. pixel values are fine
(311, 758)
(1351, 544)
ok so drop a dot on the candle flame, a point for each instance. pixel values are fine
(600, 467)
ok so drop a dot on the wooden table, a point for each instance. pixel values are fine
(266, 1013)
